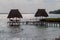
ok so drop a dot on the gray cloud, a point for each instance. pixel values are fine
(29, 6)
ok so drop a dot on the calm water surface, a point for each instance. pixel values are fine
(27, 32)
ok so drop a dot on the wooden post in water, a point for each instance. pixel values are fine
(59, 24)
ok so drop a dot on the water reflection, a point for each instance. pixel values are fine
(15, 29)
(48, 24)
(41, 26)
(29, 32)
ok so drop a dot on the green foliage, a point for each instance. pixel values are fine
(55, 12)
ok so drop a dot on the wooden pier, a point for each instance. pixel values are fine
(49, 24)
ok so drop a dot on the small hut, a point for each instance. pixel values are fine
(14, 17)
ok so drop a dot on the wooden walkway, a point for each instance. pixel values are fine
(30, 22)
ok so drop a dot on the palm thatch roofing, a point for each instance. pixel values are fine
(41, 12)
(14, 13)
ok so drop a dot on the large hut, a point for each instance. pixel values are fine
(13, 16)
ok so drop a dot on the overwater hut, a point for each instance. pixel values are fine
(41, 13)
(14, 17)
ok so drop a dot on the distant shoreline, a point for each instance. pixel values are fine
(3, 13)
(21, 13)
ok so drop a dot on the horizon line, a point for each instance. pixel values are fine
(21, 13)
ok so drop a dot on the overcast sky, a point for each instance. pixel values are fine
(28, 6)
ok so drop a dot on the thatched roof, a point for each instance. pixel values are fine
(41, 12)
(14, 13)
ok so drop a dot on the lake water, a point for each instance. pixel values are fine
(32, 16)
(26, 32)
